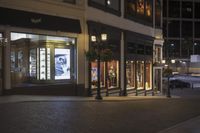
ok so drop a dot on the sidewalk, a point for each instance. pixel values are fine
(190, 126)
(34, 98)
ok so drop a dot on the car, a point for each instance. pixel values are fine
(178, 84)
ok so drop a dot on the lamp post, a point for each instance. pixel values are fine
(99, 42)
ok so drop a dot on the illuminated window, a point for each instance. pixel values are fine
(148, 83)
(130, 74)
(140, 7)
(113, 74)
(140, 75)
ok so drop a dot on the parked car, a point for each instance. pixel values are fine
(178, 84)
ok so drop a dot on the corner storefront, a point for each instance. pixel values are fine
(41, 61)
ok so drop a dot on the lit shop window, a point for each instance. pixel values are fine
(148, 76)
(130, 74)
(113, 74)
(112, 70)
(140, 7)
(94, 74)
(140, 75)
(62, 63)
(148, 8)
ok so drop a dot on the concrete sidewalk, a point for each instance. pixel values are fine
(190, 126)
(29, 98)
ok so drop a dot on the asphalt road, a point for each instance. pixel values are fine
(139, 116)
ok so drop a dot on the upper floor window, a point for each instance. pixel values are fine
(69, 1)
(139, 10)
(112, 6)
(158, 13)
(187, 9)
(174, 9)
(197, 10)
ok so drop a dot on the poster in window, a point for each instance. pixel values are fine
(62, 63)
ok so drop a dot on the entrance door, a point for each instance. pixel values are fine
(1, 72)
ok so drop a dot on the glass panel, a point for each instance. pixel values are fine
(174, 8)
(174, 29)
(187, 29)
(187, 9)
(101, 2)
(130, 74)
(174, 48)
(114, 4)
(42, 64)
(131, 7)
(164, 8)
(94, 74)
(197, 9)
(140, 7)
(148, 83)
(140, 75)
(197, 31)
(148, 8)
(113, 74)
(31, 57)
(1, 35)
(158, 13)
(32, 63)
(48, 64)
(62, 63)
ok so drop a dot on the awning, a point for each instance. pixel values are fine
(26, 19)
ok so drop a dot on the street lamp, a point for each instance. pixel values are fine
(99, 41)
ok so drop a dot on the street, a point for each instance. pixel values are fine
(132, 116)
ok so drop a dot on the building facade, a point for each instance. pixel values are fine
(43, 45)
(181, 32)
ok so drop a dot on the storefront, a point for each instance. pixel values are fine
(41, 58)
(110, 70)
(138, 55)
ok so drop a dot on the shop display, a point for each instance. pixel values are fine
(32, 63)
(62, 63)
(140, 75)
(20, 60)
(113, 74)
(130, 74)
(42, 64)
(48, 64)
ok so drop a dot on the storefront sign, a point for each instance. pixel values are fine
(25, 19)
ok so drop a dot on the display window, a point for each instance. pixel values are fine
(140, 75)
(148, 83)
(130, 74)
(109, 70)
(94, 74)
(113, 74)
(41, 58)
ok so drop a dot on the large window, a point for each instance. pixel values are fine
(130, 74)
(197, 31)
(158, 13)
(38, 58)
(197, 9)
(140, 75)
(139, 10)
(173, 48)
(148, 76)
(187, 9)
(112, 6)
(174, 28)
(187, 29)
(109, 74)
(174, 8)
